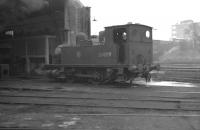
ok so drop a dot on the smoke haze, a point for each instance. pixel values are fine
(12, 11)
(26, 5)
(34, 5)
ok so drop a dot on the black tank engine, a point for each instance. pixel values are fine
(124, 52)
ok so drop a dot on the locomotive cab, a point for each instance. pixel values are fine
(140, 46)
(133, 43)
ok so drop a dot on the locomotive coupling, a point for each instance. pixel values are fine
(143, 71)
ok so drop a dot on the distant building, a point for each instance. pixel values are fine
(185, 30)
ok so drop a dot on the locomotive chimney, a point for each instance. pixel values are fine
(66, 23)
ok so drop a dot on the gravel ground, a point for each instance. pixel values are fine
(100, 122)
(16, 116)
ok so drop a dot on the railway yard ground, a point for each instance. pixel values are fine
(38, 103)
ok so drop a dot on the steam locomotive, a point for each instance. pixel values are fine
(123, 52)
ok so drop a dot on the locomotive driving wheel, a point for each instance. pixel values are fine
(70, 79)
(98, 78)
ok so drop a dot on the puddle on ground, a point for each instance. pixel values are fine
(166, 83)
(171, 84)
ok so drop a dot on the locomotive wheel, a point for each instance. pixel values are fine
(99, 78)
(94, 82)
(70, 79)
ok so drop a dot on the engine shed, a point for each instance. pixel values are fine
(25, 30)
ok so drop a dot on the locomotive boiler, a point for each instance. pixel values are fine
(124, 54)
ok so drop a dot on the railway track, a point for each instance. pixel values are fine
(186, 105)
(109, 98)
(44, 105)
(137, 100)
(180, 73)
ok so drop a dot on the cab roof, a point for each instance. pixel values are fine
(124, 25)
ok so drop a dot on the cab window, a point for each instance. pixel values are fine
(148, 34)
(120, 35)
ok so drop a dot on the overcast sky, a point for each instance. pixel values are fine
(160, 14)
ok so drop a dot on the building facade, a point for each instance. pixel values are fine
(185, 30)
